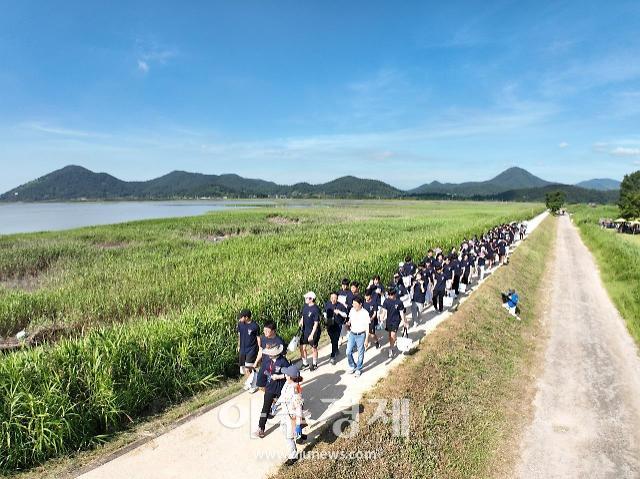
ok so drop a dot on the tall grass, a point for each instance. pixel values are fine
(618, 258)
(160, 310)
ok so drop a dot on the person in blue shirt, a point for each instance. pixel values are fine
(335, 316)
(439, 288)
(418, 297)
(275, 361)
(345, 296)
(268, 340)
(371, 306)
(510, 301)
(310, 325)
(248, 334)
(395, 315)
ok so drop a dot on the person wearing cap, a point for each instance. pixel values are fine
(335, 316)
(275, 361)
(395, 315)
(310, 324)
(359, 321)
(268, 340)
(290, 406)
(248, 337)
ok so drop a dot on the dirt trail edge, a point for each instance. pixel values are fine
(587, 406)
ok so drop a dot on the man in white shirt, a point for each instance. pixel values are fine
(358, 327)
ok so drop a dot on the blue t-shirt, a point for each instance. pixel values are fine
(249, 333)
(334, 311)
(513, 300)
(419, 296)
(393, 307)
(274, 366)
(371, 307)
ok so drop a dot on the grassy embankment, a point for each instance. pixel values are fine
(152, 305)
(618, 258)
(469, 386)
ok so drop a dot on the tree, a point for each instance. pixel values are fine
(629, 203)
(555, 200)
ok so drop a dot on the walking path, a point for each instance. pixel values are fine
(587, 408)
(218, 444)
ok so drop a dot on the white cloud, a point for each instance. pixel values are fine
(56, 130)
(625, 151)
(563, 144)
(143, 66)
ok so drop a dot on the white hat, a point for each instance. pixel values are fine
(310, 294)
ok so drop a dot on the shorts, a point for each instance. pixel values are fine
(247, 360)
(314, 341)
(392, 327)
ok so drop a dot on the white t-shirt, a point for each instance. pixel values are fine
(359, 320)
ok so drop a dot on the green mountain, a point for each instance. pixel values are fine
(602, 184)
(75, 183)
(510, 179)
(78, 183)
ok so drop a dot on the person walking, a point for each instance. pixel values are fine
(439, 288)
(335, 316)
(268, 340)
(275, 361)
(310, 324)
(371, 305)
(418, 297)
(248, 347)
(359, 321)
(395, 315)
(290, 406)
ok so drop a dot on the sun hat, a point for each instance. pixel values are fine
(310, 294)
(291, 371)
(273, 351)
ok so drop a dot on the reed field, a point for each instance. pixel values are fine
(141, 315)
(618, 258)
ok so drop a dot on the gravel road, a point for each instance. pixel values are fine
(586, 420)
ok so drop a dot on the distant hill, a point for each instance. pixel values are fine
(78, 183)
(510, 179)
(574, 194)
(602, 184)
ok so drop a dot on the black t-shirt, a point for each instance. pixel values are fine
(419, 296)
(334, 310)
(310, 316)
(371, 307)
(275, 366)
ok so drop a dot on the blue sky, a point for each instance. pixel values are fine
(406, 92)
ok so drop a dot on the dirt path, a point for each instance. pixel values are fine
(587, 408)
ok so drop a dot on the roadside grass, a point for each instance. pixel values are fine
(469, 387)
(618, 258)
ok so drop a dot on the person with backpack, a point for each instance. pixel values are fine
(335, 316)
(310, 326)
(275, 362)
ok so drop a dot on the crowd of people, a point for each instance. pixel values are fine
(360, 315)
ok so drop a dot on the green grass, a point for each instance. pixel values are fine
(151, 305)
(468, 387)
(618, 258)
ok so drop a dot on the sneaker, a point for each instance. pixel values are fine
(304, 366)
(333, 361)
(358, 373)
(252, 390)
(259, 433)
(291, 462)
(390, 353)
(301, 439)
(246, 386)
(351, 371)
(377, 344)
(313, 367)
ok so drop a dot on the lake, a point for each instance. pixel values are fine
(30, 217)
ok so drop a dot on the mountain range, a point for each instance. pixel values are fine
(77, 183)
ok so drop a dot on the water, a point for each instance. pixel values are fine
(30, 217)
